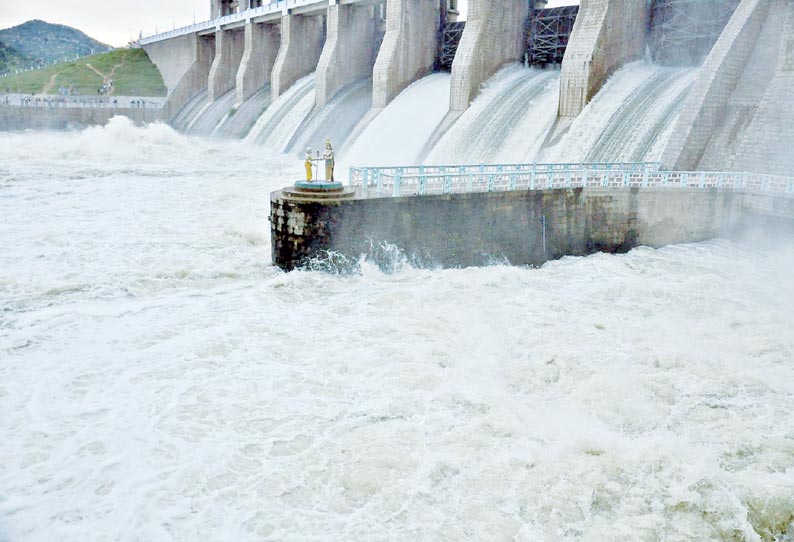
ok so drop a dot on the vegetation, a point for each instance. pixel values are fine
(132, 72)
(11, 59)
(42, 42)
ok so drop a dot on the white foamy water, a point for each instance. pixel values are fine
(397, 135)
(508, 121)
(160, 380)
(277, 125)
(630, 119)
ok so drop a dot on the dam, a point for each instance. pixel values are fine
(163, 380)
(691, 85)
(516, 81)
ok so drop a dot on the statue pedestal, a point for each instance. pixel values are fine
(321, 190)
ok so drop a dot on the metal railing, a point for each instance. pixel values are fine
(438, 180)
(280, 6)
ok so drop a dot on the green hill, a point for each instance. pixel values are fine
(132, 72)
(11, 59)
(42, 42)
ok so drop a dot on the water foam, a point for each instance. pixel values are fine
(161, 381)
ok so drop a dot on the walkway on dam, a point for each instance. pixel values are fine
(273, 10)
(480, 178)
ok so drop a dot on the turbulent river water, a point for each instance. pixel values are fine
(160, 380)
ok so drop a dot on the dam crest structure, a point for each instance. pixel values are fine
(718, 76)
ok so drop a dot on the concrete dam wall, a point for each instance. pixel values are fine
(511, 227)
(734, 117)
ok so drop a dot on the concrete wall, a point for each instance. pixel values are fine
(229, 48)
(477, 229)
(302, 39)
(726, 138)
(259, 56)
(606, 35)
(494, 35)
(184, 63)
(768, 144)
(348, 52)
(706, 105)
(69, 118)
(408, 50)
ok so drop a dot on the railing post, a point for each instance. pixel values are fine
(422, 185)
(379, 174)
(397, 182)
(490, 183)
(470, 183)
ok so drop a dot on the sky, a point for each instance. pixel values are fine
(115, 23)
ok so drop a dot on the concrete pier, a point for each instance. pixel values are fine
(184, 62)
(494, 35)
(607, 34)
(518, 227)
(261, 48)
(349, 52)
(408, 50)
(738, 114)
(302, 39)
(707, 102)
(229, 47)
(762, 149)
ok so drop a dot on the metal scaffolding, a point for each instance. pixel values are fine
(682, 32)
(548, 31)
(450, 39)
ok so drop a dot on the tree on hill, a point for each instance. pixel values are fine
(42, 42)
(11, 59)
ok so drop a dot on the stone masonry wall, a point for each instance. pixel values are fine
(229, 47)
(706, 103)
(494, 35)
(606, 35)
(302, 39)
(348, 52)
(70, 118)
(259, 56)
(408, 50)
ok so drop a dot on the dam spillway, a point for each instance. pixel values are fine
(615, 84)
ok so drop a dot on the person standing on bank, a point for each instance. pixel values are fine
(328, 156)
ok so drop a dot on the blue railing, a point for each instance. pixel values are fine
(437, 180)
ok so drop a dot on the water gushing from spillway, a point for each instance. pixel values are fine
(239, 121)
(630, 119)
(398, 134)
(211, 115)
(335, 121)
(190, 111)
(508, 122)
(277, 125)
(160, 380)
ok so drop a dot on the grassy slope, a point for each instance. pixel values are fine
(134, 75)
